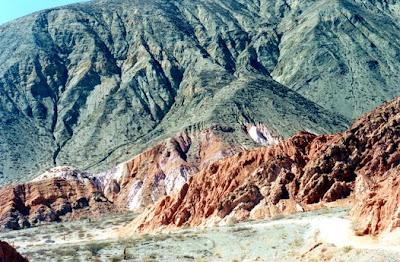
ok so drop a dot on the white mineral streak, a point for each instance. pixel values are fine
(261, 135)
(135, 196)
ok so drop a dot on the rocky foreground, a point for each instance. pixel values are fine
(195, 179)
(321, 235)
(9, 254)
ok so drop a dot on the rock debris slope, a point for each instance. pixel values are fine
(93, 84)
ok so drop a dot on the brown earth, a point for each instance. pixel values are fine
(9, 254)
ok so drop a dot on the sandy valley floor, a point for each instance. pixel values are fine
(323, 235)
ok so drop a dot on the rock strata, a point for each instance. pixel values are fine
(290, 176)
(50, 200)
(64, 192)
(196, 178)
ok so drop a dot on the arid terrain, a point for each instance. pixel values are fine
(201, 130)
(324, 235)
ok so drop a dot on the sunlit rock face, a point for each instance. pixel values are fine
(166, 167)
(50, 200)
(64, 192)
(62, 172)
(293, 176)
(199, 178)
(261, 135)
(377, 187)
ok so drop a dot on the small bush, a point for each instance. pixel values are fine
(116, 258)
(347, 249)
(297, 242)
(95, 247)
(64, 252)
(150, 258)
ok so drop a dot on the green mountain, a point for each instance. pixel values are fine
(95, 83)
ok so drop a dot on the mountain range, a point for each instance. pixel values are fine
(94, 84)
(135, 118)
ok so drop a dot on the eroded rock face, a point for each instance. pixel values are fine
(50, 200)
(378, 203)
(377, 186)
(208, 177)
(67, 193)
(166, 167)
(287, 177)
(238, 184)
(9, 254)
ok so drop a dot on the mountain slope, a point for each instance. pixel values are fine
(92, 84)
(196, 178)
(342, 54)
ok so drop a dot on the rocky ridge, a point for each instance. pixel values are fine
(288, 177)
(93, 84)
(64, 193)
(198, 179)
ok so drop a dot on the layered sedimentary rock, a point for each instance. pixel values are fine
(96, 83)
(208, 178)
(65, 193)
(303, 170)
(9, 254)
(262, 180)
(69, 194)
(164, 168)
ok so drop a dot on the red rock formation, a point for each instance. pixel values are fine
(64, 192)
(207, 180)
(238, 184)
(50, 200)
(377, 187)
(164, 168)
(295, 173)
(9, 254)
(378, 203)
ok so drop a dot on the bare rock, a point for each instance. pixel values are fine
(10, 254)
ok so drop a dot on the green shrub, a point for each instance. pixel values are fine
(95, 247)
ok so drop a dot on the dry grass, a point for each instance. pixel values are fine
(347, 249)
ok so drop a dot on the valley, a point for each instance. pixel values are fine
(201, 130)
(323, 235)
